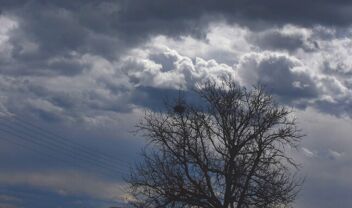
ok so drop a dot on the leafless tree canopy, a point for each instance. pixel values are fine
(229, 153)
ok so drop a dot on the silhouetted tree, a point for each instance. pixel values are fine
(228, 152)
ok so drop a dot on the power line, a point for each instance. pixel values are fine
(51, 134)
(53, 146)
(122, 187)
(29, 134)
(46, 133)
(67, 146)
(68, 154)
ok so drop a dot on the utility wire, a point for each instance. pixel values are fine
(56, 136)
(122, 187)
(64, 143)
(106, 169)
(55, 146)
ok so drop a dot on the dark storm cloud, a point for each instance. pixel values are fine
(276, 40)
(85, 68)
(106, 28)
(301, 12)
(279, 75)
(57, 29)
(273, 11)
(58, 26)
(276, 73)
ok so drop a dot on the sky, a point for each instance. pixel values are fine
(76, 76)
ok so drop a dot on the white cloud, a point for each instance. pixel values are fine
(307, 152)
(7, 25)
(309, 68)
(223, 43)
(45, 106)
(305, 76)
(185, 71)
(312, 67)
(334, 154)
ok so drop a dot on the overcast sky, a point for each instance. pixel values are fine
(76, 76)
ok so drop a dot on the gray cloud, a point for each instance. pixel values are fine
(280, 74)
(58, 28)
(287, 38)
(326, 167)
(87, 69)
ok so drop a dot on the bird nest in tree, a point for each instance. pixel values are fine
(179, 108)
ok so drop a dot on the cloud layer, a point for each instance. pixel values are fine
(88, 69)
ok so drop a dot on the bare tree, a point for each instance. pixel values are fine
(229, 152)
